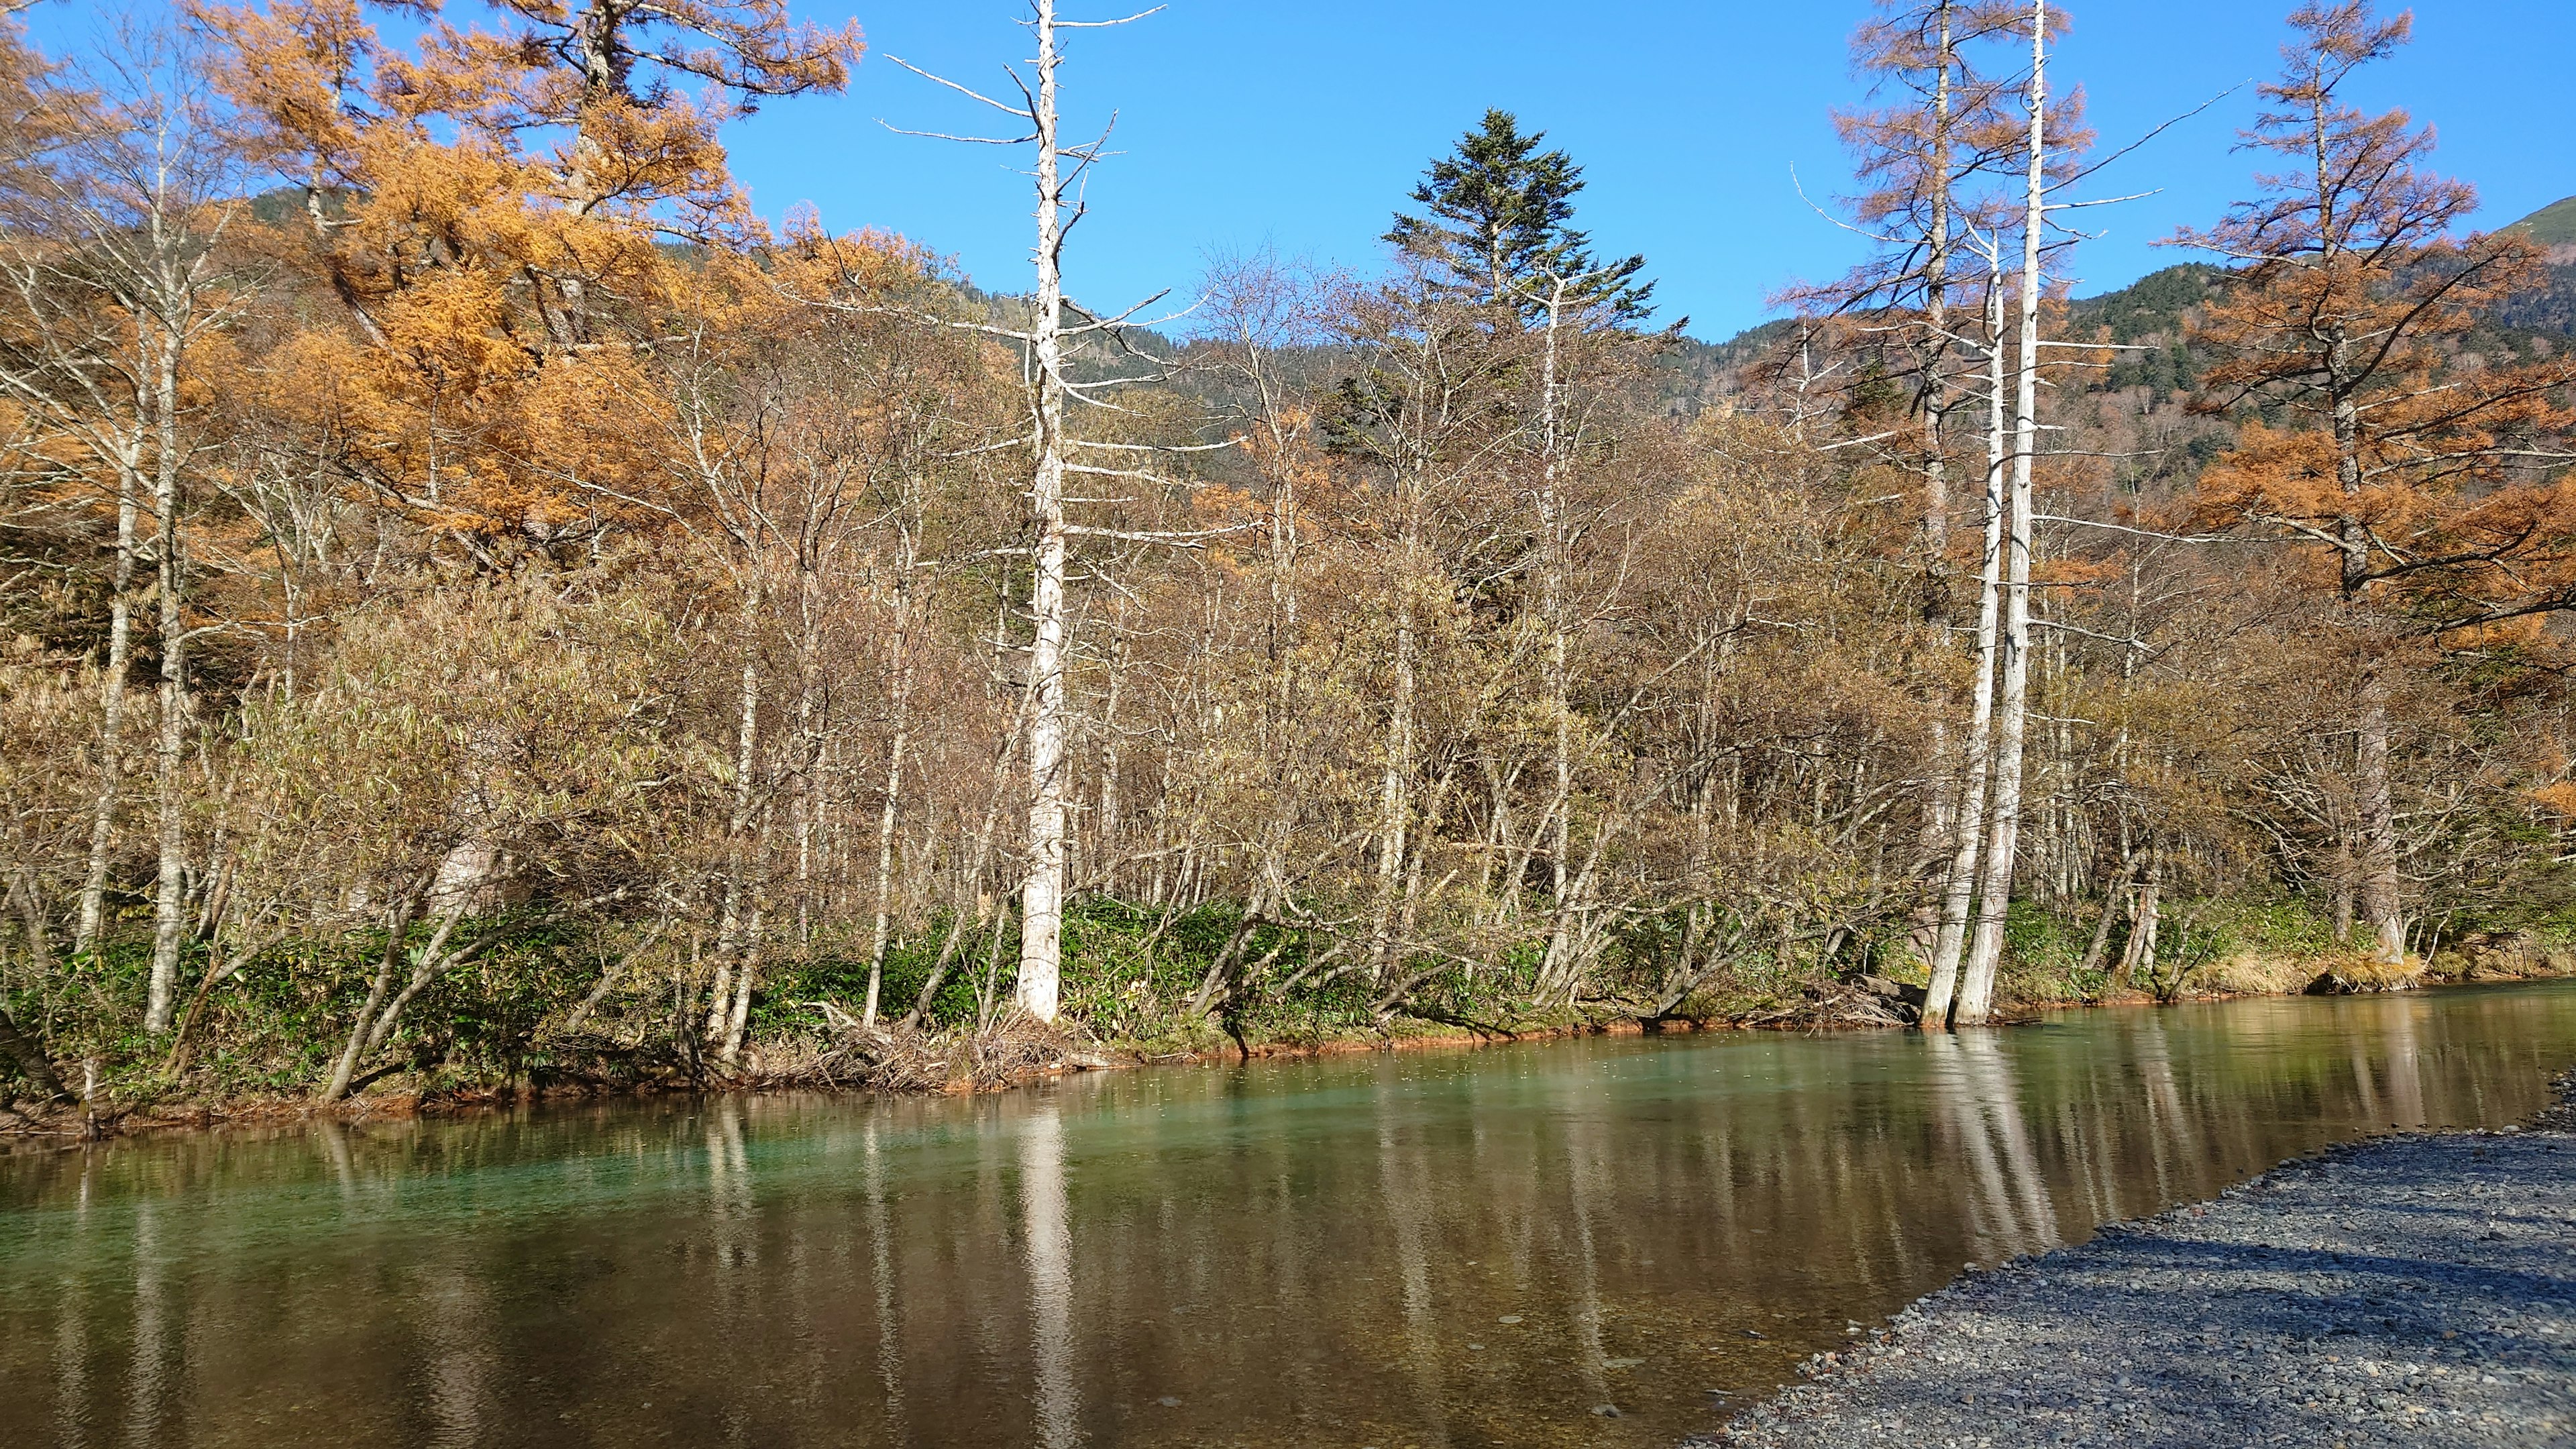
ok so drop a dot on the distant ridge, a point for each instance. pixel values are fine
(2553, 225)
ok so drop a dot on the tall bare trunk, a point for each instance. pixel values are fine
(1560, 969)
(2379, 887)
(111, 714)
(809, 745)
(1959, 891)
(1944, 794)
(1042, 894)
(886, 814)
(1394, 803)
(1994, 887)
(742, 849)
(169, 903)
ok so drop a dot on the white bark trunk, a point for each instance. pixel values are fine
(169, 904)
(887, 813)
(1959, 890)
(1394, 803)
(1042, 893)
(1985, 956)
(111, 722)
(733, 942)
(2379, 882)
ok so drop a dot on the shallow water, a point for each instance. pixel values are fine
(1446, 1248)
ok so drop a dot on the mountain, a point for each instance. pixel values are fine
(2552, 226)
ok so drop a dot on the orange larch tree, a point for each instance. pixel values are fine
(2387, 451)
(503, 213)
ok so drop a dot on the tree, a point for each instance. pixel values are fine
(2012, 662)
(1496, 233)
(1497, 216)
(2349, 294)
(1057, 326)
(1920, 157)
(122, 276)
(493, 292)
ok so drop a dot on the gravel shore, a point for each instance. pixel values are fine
(2406, 1291)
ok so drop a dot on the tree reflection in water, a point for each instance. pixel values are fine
(1282, 1253)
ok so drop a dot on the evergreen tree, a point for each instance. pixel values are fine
(1498, 222)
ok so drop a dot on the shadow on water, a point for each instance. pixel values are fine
(1568, 1243)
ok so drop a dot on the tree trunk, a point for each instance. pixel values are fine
(31, 1061)
(2140, 953)
(738, 1013)
(887, 813)
(809, 743)
(1994, 888)
(1959, 892)
(397, 927)
(2379, 884)
(1561, 967)
(742, 849)
(970, 887)
(1108, 867)
(111, 723)
(1943, 794)
(2099, 947)
(169, 904)
(2340, 917)
(1042, 894)
(1393, 801)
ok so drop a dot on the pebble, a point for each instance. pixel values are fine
(2415, 1291)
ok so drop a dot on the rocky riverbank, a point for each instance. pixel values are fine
(2416, 1290)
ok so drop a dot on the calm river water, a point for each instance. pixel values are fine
(1448, 1248)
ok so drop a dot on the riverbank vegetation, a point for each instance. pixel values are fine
(486, 609)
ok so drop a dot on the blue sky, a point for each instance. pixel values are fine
(1300, 126)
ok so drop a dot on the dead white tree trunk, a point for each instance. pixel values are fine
(901, 731)
(734, 943)
(111, 720)
(1042, 894)
(1395, 777)
(1058, 172)
(1959, 889)
(1994, 888)
(169, 900)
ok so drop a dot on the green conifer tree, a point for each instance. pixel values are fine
(1497, 225)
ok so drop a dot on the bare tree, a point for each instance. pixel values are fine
(123, 273)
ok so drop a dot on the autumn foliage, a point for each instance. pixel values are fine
(487, 607)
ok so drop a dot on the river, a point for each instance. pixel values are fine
(1603, 1241)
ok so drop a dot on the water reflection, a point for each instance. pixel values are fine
(1405, 1186)
(881, 1277)
(1049, 1229)
(2006, 1199)
(1426, 1249)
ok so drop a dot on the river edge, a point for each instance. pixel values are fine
(1048, 1056)
(2407, 1289)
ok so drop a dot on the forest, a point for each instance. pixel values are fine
(486, 611)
